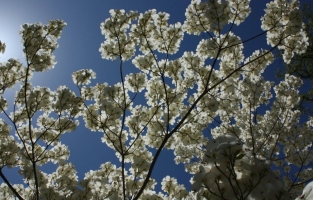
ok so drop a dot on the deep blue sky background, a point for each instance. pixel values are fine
(79, 49)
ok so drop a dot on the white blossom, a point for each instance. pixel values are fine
(237, 134)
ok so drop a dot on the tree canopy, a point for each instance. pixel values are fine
(255, 149)
(301, 65)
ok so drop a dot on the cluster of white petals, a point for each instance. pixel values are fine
(83, 76)
(154, 33)
(11, 72)
(284, 26)
(212, 108)
(39, 42)
(222, 46)
(230, 171)
(135, 82)
(118, 43)
(213, 15)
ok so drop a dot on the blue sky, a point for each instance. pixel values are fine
(78, 49)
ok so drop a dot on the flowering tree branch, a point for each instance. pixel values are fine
(182, 97)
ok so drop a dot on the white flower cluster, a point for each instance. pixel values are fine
(231, 171)
(256, 64)
(39, 42)
(9, 149)
(153, 33)
(135, 82)
(173, 189)
(222, 46)
(10, 73)
(118, 43)
(240, 10)
(213, 15)
(83, 76)
(283, 23)
(66, 101)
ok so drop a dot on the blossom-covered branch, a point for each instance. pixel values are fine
(214, 85)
